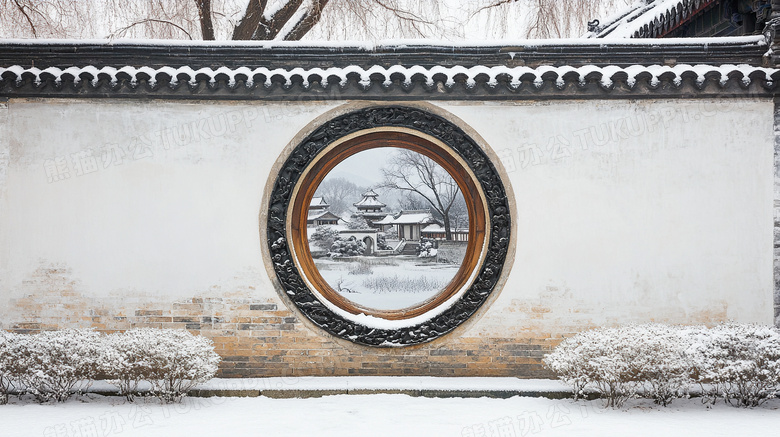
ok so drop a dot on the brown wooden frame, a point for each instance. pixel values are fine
(442, 155)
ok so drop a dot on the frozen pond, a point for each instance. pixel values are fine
(386, 283)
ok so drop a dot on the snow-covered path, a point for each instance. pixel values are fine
(380, 415)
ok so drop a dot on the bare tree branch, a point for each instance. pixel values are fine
(151, 20)
(294, 19)
(403, 14)
(492, 5)
(415, 173)
(27, 17)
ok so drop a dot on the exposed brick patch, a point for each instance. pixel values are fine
(257, 338)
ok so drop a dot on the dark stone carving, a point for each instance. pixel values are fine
(486, 175)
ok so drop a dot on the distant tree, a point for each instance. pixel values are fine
(417, 174)
(340, 193)
(293, 19)
(541, 18)
(459, 213)
(411, 201)
(215, 19)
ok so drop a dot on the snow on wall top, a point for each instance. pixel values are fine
(366, 77)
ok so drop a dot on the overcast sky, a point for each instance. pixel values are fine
(363, 168)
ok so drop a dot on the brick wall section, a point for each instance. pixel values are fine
(257, 338)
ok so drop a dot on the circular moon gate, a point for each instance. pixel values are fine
(422, 132)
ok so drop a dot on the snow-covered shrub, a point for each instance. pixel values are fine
(8, 343)
(349, 247)
(358, 223)
(738, 362)
(663, 363)
(600, 359)
(381, 242)
(426, 248)
(324, 236)
(55, 364)
(173, 361)
(125, 359)
(182, 361)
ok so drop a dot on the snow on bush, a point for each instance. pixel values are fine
(381, 242)
(739, 363)
(7, 364)
(125, 359)
(173, 361)
(52, 365)
(358, 223)
(349, 247)
(662, 360)
(426, 249)
(601, 359)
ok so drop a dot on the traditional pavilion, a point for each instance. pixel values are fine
(319, 213)
(410, 223)
(370, 208)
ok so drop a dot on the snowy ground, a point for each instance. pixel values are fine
(386, 283)
(381, 415)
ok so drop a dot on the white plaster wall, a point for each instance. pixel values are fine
(667, 217)
(634, 211)
(174, 214)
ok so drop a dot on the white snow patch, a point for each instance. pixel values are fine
(381, 415)
(372, 383)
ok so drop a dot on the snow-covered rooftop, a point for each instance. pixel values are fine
(369, 202)
(414, 217)
(318, 203)
(388, 220)
(319, 214)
